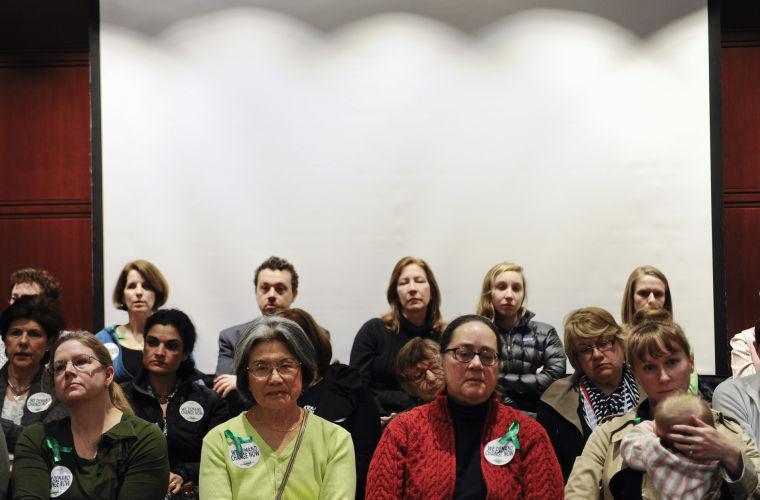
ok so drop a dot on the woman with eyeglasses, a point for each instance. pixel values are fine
(602, 385)
(660, 358)
(166, 392)
(29, 327)
(466, 443)
(340, 395)
(419, 370)
(532, 356)
(276, 449)
(101, 450)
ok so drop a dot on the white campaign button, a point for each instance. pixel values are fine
(498, 454)
(61, 480)
(113, 349)
(249, 457)
(39, 402)
(191, 411)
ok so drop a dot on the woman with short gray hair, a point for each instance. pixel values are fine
(275, 438)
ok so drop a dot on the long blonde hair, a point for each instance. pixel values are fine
(116, 395)
(485, 305)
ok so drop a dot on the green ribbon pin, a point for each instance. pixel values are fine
(57, 449)
(511, 435)
(637, 421)
(237, 440)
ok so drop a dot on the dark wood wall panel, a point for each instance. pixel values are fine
(45, 133)
(740, 123)
(742, 227)
(46, 209)
(54, 244)
(741, 118)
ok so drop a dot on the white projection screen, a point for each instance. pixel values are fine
(569, 137)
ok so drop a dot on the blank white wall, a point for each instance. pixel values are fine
(551, 138)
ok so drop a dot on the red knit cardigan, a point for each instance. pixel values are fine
(416, 457)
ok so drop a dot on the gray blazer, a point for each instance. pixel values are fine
(228, 338)
(739, 398)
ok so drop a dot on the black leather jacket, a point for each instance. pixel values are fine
(528, 347)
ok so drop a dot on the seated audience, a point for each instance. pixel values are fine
(165, 392)
(532, 356)
(31, 281)
(338, 394)
(415, 300)
(419, 370)
(744, 357)
(465, 444)
(102, 450)
(276, 449)
(29, 327)
(674, 474)
(602, 386)
(140, 290)
(660, 359)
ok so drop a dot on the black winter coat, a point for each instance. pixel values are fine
(183, 436)
(528, 346)
(342, 397)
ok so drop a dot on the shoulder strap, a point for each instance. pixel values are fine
(281, 489)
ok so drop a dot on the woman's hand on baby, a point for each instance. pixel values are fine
(700, 441)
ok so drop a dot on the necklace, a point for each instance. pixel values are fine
(17, 392)
(162, 398)
(295, 426)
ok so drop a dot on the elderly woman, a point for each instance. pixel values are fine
(658, 353)
(29, 327)
(276, 449)
(602, 386)
(465, 443)
(140, 290)
(415, 302)
(166, 392)
(532, 355)
(340, 395)
(419, 370)
(102, 450)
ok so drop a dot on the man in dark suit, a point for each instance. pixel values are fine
(276, 286)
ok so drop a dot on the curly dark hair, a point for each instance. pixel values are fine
(50, 286)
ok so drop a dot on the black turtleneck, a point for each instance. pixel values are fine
(468, 429)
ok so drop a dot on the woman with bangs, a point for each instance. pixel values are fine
(140, 290)
(602, 386)
(532, 355)
(660, 359)
(415, 311)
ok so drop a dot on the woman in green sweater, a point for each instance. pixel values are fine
(276, 449)
(102, 450)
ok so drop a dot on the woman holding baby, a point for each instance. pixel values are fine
(658, 353)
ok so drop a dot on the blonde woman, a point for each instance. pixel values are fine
(532, 355)
(102, 450)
